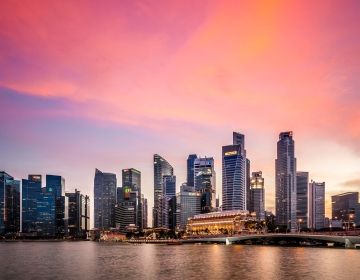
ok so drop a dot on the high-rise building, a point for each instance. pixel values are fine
(285, 182)
(129, 209)
(9, 204)
(161, 168)
(31, 190)
(316, 219)
(346, 207)
(189, 204)
(205, 183)
(302, 185)
(169, 201)
(235, 173)
(257, 195)
(190, 169)
(144, 211)
(56, 185)
(46, 221)
(79, 214)
(104, 200)
(132, 178)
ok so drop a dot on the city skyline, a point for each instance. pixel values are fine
(108, 85)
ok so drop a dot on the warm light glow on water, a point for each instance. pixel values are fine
(91, 260)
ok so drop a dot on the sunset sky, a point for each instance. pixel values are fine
(106, 84)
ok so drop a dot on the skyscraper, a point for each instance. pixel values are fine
(31, 190)
(161, 168)
(144, 211)
(169, 202)
(285, 182)
(257, 195)
(9, 204)
(316, 205)
(205, 183)
(104, 199)
(56, 185)
(235, 173)
(189, 202)
(79, 211)
(131, 182)
(346, 207)
(302, 186)
(190, 169)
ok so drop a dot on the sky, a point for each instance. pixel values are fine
(106, 84)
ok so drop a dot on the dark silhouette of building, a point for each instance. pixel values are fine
(79, 214)
(190, 169)
(302, 195)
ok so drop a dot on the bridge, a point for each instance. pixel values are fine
(300, 239)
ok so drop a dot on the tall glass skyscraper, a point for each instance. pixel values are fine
(104, 199)
(56, 185)
(169, 201)
(205, 183)
(161, 168)
(189, 202)
(31, 191)
(190, 169)
(9, 204)
(285, 182)
(79, 214)
(302, 195)
(257, 195)
(316, 205)
(235, 173)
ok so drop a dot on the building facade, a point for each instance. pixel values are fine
(161, 168)
(190, 169)
(104, 200)
(188, 204)
(79, 214)
(285, 182)
(169, 202)
(346, 207)
(9, 204)
(316, 217)
(257, 195)
(302, 194)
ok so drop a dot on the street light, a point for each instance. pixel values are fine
(299, 224)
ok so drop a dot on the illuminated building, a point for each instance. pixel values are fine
(302, 195)
(79, 214)
(104, 200)
(235, 173)
(161, 168)
(190, 169)
(188, 204)
(205, 183)
(346, 207)
(9, 204)
(225, 222)
(257, 195)
(285, 182)
(144, 206)
(131, 190)
(316, 206)
(31, 190)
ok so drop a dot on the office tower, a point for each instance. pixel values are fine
(346, 207)
(9, 204)
(46, 221)
(285, 182)
(79, 214)
(104, 199)
(144, 211)
(119, 193)
(56, 185)
(126, 211)
(316, 219)
(131, 180)
(257, 195)
(205, 183)
(235, 169)
(189, 201)
(161, 168)
(247, 184)
(302, 185)
(31, 190)
(190, 169)
(169, 201)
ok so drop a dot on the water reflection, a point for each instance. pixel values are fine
(90, 260)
